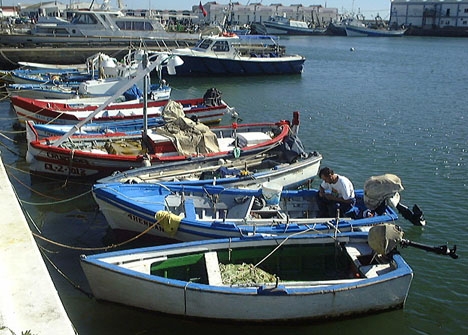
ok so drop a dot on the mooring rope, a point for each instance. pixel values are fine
(39, 235)
(105, 248)
(68, 279)
(12, 132)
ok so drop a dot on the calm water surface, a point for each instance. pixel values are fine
(390, 106)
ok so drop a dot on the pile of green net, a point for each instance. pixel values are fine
(244, 274)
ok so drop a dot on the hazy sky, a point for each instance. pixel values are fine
(366, 7)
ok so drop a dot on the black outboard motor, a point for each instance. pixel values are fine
(212, 97)
(416, 216)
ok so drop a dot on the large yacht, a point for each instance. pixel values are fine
(104, 22)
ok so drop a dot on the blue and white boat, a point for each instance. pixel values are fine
(134, 126)
(188, 213)
(50, 76)
(258, 279)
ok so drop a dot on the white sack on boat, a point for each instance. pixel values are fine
(378, 189)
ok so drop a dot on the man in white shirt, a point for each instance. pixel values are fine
(336, 192)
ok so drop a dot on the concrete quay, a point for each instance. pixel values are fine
(29, 300)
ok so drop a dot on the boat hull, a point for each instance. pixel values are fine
(91, 160)
(37, 91)
(355, 31)
(71, 113)
(294, 301)
(282, 29)
(135, 207)
(208, 66)
(292, 175)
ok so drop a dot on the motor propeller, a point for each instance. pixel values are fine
(416, 216)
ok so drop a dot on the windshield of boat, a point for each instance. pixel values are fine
(203, 44)
(220, 46)
(83, 18)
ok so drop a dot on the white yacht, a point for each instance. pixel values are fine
(104, 22)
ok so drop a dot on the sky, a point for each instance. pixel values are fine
(367, 7)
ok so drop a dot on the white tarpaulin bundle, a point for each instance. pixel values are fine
(189, 137)
(378, 189)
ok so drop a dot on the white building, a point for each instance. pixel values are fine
(430, 14)
(257, 12)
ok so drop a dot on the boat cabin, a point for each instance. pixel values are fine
(229, 44)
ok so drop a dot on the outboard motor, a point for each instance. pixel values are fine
(212, 97)
(383, 190)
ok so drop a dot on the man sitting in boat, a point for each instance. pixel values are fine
(336, 192)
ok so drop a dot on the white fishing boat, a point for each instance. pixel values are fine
(375, 29)
(258, 279)
(287, 165)
(112, 75)
(280, 25)
(104, 22)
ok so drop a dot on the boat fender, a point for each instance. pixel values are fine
(236, 152)
(168, 221)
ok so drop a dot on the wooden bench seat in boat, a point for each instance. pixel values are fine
(355, 251)
(212, 268)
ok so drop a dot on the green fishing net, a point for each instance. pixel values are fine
(244, 274)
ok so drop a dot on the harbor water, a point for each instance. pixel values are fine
(370, 106)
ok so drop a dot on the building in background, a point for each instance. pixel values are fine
(257, 12)
(431, 17)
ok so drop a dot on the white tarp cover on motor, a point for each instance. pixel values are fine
(381, 188)
(188, 136)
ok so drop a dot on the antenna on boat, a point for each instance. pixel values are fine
(146, 79)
